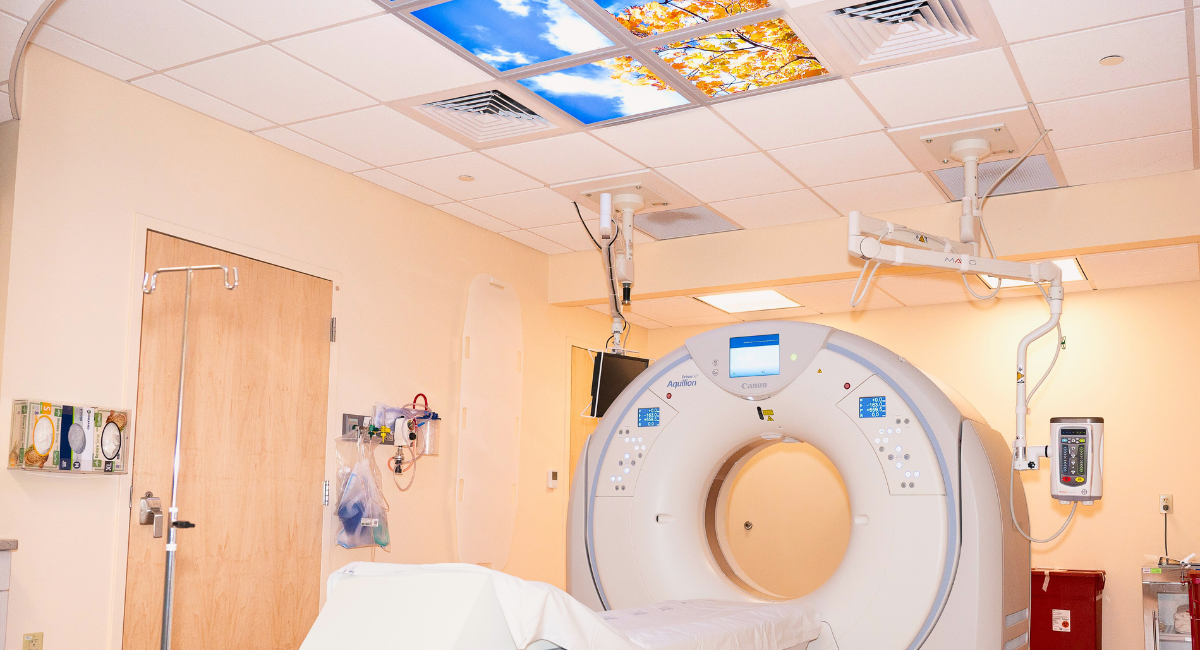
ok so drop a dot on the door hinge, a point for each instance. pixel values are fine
(326, 500)
(333, 330)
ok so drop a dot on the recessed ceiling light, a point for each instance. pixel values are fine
(1070, 273)
(762, 300)
(466, 178)
(1115, 59)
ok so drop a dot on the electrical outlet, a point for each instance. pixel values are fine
(32, 641)
(1166, 504)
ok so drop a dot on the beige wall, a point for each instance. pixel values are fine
(95, 153)
(1132, 357)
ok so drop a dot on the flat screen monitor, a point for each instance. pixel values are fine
(611, 373)
(754, 356)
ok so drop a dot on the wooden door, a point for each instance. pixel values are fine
(253, 461)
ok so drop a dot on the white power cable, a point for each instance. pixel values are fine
(983, 199)
(855, 296)
(999, 283)
(1013, 512)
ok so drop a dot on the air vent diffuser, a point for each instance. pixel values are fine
(683, 222)
(489, 115)
(1033, 174)
(891, 29)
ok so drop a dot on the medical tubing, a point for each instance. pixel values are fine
(999, 283)
(855, 296)
(1011, 511)
(835, 641)
(585, 226)
(1057, 348)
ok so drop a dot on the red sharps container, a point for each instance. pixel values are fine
(1066, 609)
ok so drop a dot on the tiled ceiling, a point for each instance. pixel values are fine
(1115, 270)
(341, 82)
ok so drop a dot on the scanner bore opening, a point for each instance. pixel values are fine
(799, 509)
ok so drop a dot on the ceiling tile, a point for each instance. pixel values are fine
(777, 314)
(1159, 154)
(441, 175)
(846, 159)
(775, 209)
(1026, 19)
(572, 235)
(818, 111)
(882, 194)
(401, 186)
(535, 242)
(158, 34)
(1119, 115)
(471, 215)
(563, 159)
(272, 19)
(531, 208)
(269, 83)
(385, 58)
(23, 9)
(194, 99)
(677, 138)
(314, 150)
(680, 311)
(936, 90)
(641, 321)
(10, 34)
(1141, 267)
(930, 288)
(88, 54)
(731, 178)
(1155, 49)
(833, 297)
(380, 136)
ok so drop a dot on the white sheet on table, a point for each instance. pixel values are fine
(717, 625)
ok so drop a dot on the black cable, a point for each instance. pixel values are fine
(585, 227)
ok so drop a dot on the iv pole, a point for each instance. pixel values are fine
(149, 283)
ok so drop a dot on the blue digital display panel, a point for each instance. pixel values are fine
(648, 417)
(872, 407)
(754, 356)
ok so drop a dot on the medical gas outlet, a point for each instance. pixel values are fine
(1076, 451)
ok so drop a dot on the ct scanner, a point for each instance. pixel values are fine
(933, 559)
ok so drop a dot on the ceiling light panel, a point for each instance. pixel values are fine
(605, 90)
(514, 33)
(650, 18)
(777, 209)
(742, 301)
(743, 58)
(1155, 50)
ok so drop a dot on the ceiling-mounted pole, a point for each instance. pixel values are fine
(149, 284)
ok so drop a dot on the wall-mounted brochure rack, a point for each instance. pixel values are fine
(68, 439)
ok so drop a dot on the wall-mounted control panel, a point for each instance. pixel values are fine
(1077, 455)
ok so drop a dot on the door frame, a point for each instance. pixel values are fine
(143, 224)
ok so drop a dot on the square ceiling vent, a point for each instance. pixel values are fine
(682, 222)
(485, 116)
(883, 30)
(1033, 174)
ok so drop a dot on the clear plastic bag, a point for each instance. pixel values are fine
(361, 509)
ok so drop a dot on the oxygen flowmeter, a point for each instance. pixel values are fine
(1077, 452)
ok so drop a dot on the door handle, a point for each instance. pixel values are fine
(150, 513)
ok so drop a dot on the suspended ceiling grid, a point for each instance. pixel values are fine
(338, 82)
